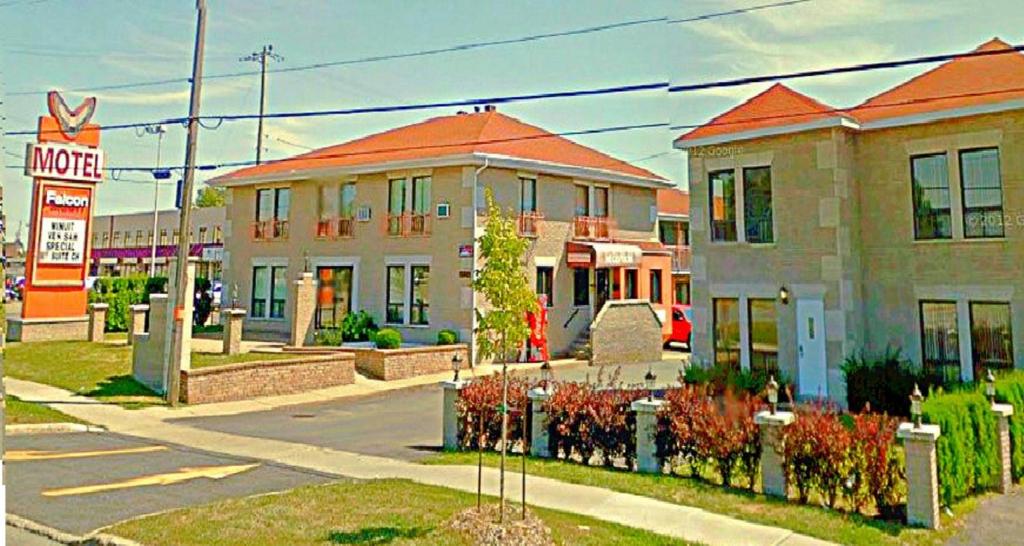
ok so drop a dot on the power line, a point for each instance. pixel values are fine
(737, 11)
(863, 67)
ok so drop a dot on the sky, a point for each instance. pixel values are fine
(68, 45)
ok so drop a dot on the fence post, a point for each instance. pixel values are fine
(922, 474)
(231, 337)
(647, 460)
(539, 441)
(1003, 413)
(450, 427)
(136, 321)
(773, 471)
(97, 321)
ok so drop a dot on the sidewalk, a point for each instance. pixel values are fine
(631, 510)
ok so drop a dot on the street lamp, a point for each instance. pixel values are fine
(456, 365)
(649, 380)
(990, 386)
(916, 398)
(773, 394)
(545, 375)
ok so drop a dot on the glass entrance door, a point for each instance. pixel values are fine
(334, 295)
(602, 288)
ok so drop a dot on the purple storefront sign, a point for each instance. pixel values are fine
(140, 252)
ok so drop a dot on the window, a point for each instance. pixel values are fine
(757, 205)
(930, 186)
(348, 201)
(421, 195)
(631, 288)
(269, 290)
(600, 202)
(177, 237)
(217, 236)
(163, 236)
(419, 301)
(982, 193)
(682, 292)
(527, 194)
(764, 337)
(117, 240)
(202, 235)
(104, 239)
(396, 205)
(273, 204)
(722, 205)
(940, 353)
(673, 233)
(655, 296)
(149, 237)
(334, 296)
(395, 312)
(580, 287)
(139, 237)
(991, 337)
(582, 201)
(727, 332)
(327, 202)
(545, 284)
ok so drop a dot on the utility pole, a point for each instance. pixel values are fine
(180, 322)
(262, 57)
(159, 131)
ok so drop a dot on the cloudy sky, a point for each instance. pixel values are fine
(67, 45)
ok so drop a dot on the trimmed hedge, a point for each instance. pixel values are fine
(1010, 390)
(968, 448)
(122, 292)
(387, 338)
(447, 337)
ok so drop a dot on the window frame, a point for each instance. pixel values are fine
(715, 349)
(631, 283)
(913, 196)
(747, 220)
(388, 302)
(424, 308)
(576, 277)
(964, 189)
(941, 366)
(726, 196)
(655, 278)
(769, 368)
(524, 182)
(978, 371)
(545, 275)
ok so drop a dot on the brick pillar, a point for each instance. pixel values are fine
(232, 335)
(539, 441)
(773, 471)
(647, 460)
(136, 321)
(1003, 413)
(450, 436)
(922, 475)
(305, 307)
(97, 320)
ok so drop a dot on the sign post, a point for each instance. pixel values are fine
(65, 164)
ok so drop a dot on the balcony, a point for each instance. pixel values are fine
(680, 258)
(592, 228)
(335, 228)
(407, 224)
(270, 230)
(529, 222)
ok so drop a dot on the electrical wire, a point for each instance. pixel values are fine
(737, 11)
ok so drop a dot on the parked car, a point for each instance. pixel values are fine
(682, 325)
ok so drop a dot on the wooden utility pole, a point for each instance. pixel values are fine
(179, 321)
(262, 57)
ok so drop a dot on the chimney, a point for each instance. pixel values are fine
(476, 109)
(490, 108)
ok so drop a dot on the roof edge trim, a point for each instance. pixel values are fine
(834, 121)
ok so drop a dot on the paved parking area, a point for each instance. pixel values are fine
(402, 424)
(80, 482)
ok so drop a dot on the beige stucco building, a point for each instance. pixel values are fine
(388, 223)
(818, 232)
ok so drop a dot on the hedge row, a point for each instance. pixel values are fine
(1010, 390)
(968, 447)
(122, 292)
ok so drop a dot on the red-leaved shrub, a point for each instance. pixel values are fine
(481, 399)
(878, 465)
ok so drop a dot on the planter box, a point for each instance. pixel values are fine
(392, 364)
(249, 380)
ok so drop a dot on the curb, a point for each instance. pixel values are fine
(95, 539)
(50, 428)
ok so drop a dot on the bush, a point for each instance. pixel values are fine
(387, 338)
(479, 402)
(878, 471)
(330, 337)
(968, 449)
(358, 326)
(1010, 390)
(119, 293)
(720, 378)
(882, 382)
(585, 419)
(817, 450)
(447, 337)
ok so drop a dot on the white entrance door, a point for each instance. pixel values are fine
(811, 366)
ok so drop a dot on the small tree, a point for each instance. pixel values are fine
(502, 329)
(210, 196)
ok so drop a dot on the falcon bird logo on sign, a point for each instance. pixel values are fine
(71, 121)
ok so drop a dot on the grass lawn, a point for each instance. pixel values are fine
(98, 370)
(810, 520)
(374, 512)
(19, 412)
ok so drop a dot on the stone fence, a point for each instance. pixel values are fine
(403, 363)
(249, 380)
(625, 331)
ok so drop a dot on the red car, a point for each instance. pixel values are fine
(682, 324)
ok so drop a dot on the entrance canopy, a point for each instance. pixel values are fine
(601, 255)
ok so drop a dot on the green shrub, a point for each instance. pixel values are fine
(387, 338)
(119, 293)
(447, 337)
(968, 448)
(719, 378)
(328, 337)
(155, 285)
(882, 381)
(358, 326)
(1010, 390)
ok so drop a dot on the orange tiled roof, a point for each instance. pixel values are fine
(776, 106)
(966, 81)
(487, 132)
(673, 202)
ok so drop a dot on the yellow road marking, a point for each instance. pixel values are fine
(182, 475)
(28, 455)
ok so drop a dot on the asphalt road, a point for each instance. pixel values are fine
(119, 478)
(403, 424)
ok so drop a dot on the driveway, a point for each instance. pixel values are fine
(402, 424)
